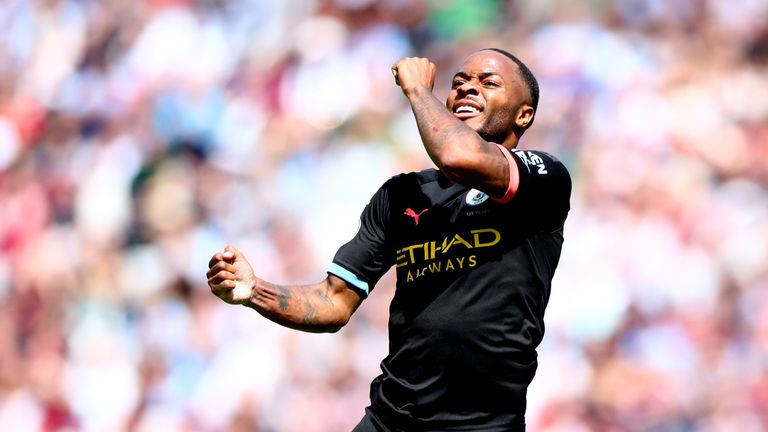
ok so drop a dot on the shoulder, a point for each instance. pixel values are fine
(538, 161)
(417, 180)
(419, 177)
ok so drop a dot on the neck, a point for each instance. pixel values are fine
(511, 141)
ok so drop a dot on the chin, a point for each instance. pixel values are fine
(490, 137)
(475, 124)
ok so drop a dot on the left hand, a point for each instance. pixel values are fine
(230, 276)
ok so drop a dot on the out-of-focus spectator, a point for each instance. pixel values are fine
(138, 137)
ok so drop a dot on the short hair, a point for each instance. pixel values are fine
(528, 79)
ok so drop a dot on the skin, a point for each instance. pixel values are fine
(460, 144)
(322, 307)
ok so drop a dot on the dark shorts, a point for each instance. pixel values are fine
(370, 423)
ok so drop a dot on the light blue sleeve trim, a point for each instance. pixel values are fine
(348, 276)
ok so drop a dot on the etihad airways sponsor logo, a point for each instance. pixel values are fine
(447, 265)
(453, 252)
(457, 245)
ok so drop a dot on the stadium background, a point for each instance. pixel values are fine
(137, 138)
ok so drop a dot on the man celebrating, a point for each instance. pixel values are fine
(475, 244)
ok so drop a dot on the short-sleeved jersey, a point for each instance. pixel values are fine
(473, 280)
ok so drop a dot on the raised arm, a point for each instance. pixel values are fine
(484, 108)
(455, 148)
(318, 308)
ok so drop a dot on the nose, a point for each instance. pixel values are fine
(467, 87)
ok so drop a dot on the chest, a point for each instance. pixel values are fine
(451, 235)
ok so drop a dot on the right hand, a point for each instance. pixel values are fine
(230, 276)
(414, 72)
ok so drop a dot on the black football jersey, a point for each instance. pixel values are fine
(473, 280)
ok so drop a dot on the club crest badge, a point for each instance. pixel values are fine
(475, 197)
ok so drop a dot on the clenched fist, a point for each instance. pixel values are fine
(230, 276)
(412, 73)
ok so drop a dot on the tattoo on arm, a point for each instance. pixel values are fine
(283, 298)
(324, 297)
(445, 138)
(440, 125)
(310, 315)
(436, 124)
(309, 308)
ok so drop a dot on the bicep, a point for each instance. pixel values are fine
(345, 297)
(484, 167)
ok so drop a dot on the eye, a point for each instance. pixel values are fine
(457, 83)
(491, 83)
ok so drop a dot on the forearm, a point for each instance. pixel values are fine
(309, 308)
(448, 141)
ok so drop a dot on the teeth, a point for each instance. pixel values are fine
(466, 108)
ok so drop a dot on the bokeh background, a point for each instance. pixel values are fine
(137, 138)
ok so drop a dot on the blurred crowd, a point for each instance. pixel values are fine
(137, 138)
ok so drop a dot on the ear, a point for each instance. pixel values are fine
(524, 116)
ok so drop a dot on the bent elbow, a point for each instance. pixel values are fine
(458, 168)
(462, 157)
(337, 324)
(452, 164)
(333, 329)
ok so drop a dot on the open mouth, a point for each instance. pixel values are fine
(465, 110)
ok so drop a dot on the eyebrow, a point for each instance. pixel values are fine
(482, 75)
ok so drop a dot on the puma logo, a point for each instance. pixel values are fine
(414, 215)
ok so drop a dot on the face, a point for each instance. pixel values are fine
(489, 96)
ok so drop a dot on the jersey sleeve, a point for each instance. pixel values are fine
(543, 187)
(362, 261)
